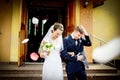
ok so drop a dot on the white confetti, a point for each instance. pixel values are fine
(25, 41)
(107, 52)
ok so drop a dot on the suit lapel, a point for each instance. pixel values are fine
(72, 40)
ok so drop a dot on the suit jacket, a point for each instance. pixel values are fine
(69, 46)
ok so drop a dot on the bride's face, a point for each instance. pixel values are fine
(56, 33)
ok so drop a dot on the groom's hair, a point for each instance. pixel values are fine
(79, 29)
(58, 26)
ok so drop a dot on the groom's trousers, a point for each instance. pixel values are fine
(79, 73)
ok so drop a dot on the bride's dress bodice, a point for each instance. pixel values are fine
(57, 46)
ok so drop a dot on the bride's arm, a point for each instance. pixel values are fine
(41, 54)
(40, 51)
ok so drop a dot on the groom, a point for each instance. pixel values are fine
(73, 53)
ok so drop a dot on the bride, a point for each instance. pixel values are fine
(52, 67)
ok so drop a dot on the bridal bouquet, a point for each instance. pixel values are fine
(47, 47)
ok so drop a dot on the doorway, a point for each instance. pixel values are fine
(46, 17)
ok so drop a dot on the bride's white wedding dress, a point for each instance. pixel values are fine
(52, 67)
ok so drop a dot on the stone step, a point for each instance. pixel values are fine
(33, 71)
(40, 71)
(39, 77)
(37, 68)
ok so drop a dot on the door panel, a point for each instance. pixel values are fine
(23, 35)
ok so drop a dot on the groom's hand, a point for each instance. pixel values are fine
(80, 57)
(85, 32)
(71, 54)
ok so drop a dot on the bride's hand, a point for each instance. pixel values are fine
(42, 54)
(47, 52)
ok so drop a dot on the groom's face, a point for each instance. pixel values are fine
(77, 35)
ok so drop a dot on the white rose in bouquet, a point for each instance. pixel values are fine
(47, 47)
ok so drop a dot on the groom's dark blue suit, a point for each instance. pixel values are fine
(75, 68)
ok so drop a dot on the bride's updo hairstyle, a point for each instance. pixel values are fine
(58, 26)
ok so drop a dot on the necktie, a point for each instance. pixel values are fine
(76, 42)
